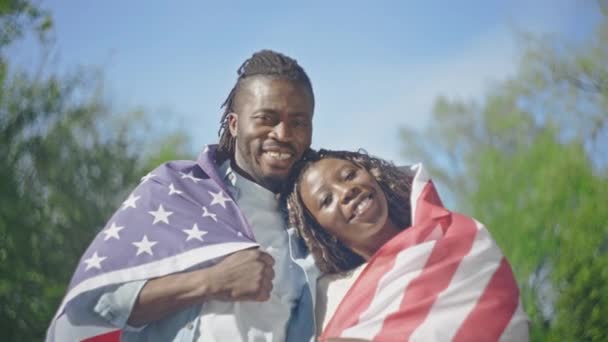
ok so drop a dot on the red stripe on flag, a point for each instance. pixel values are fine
(112, 336)
(360, 295)
(494, 310)
(428, 205)
(422, 292)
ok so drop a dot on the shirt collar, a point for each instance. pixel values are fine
(244, 187)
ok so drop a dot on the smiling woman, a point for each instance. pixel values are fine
(346, 205)
(420, 271)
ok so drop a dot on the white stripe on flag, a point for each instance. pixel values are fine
(518, 328)
(64, 330)
(418, 184)
(453, 304)
(409, 264)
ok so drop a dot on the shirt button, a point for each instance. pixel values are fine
(190, 326)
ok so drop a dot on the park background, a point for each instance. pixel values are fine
(506, 102)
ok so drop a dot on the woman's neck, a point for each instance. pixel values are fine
(374, 243)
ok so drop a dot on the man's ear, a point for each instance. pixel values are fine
(233, 118)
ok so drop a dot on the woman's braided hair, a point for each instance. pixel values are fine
(262, 63)
(331, 255)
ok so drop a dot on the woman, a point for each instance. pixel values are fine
(418, 271)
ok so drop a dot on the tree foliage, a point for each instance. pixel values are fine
(530, 162)
(66, 163)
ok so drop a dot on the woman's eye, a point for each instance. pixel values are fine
(350, 175)
(326, 201)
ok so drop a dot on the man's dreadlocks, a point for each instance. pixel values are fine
(262, 63)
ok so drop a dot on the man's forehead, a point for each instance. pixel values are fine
(268, 91)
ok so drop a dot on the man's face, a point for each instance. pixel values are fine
(272, 126)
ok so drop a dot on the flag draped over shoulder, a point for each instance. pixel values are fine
(442, 279)
(179, 217)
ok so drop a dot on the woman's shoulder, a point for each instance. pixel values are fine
(331, 289)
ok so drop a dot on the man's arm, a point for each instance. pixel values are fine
(244, 275)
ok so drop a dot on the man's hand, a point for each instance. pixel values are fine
(244, 275)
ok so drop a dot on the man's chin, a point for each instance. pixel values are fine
(275, 181)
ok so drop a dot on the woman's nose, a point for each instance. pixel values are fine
(349, 193)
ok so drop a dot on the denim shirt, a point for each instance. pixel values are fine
(116, 304)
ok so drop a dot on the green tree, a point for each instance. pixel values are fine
(66, 162)
(530, 162)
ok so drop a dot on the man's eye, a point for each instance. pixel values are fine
(266, 119)
(301, 123)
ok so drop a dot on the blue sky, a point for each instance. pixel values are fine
(375, 66)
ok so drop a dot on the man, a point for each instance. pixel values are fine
(253, 294)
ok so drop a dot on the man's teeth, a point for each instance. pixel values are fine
(279, 155)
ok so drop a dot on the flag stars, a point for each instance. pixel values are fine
(144, 246)
(130, 202)
(191, 177)
(219, 198)
(147, 177)
(94, 261)
(172, 190)
(161, 215)
(112, 232)
(194, 233)
(207, 213)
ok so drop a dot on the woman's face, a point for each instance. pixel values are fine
(345, 200)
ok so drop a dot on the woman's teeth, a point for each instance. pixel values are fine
(362, 205)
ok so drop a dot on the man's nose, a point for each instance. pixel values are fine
(281, 132)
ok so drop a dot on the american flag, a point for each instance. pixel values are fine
(180, 217)
(442, 279)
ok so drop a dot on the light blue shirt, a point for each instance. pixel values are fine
(116, 304)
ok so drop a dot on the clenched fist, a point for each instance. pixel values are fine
(244, 275)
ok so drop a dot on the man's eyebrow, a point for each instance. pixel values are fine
(266, 111)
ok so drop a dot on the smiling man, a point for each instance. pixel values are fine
(214, 260)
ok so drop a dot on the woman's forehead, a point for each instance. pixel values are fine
(322, 171)
(326, 165)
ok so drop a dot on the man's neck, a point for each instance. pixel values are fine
(235, 167)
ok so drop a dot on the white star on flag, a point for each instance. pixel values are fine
(195, 233)
(130, 202)
(161, 215)
(147, 177)
(206, 213)
(94, 261)
(218, 198)
(172, 190)
(190, 176)
(112, 232)
(144, 246)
